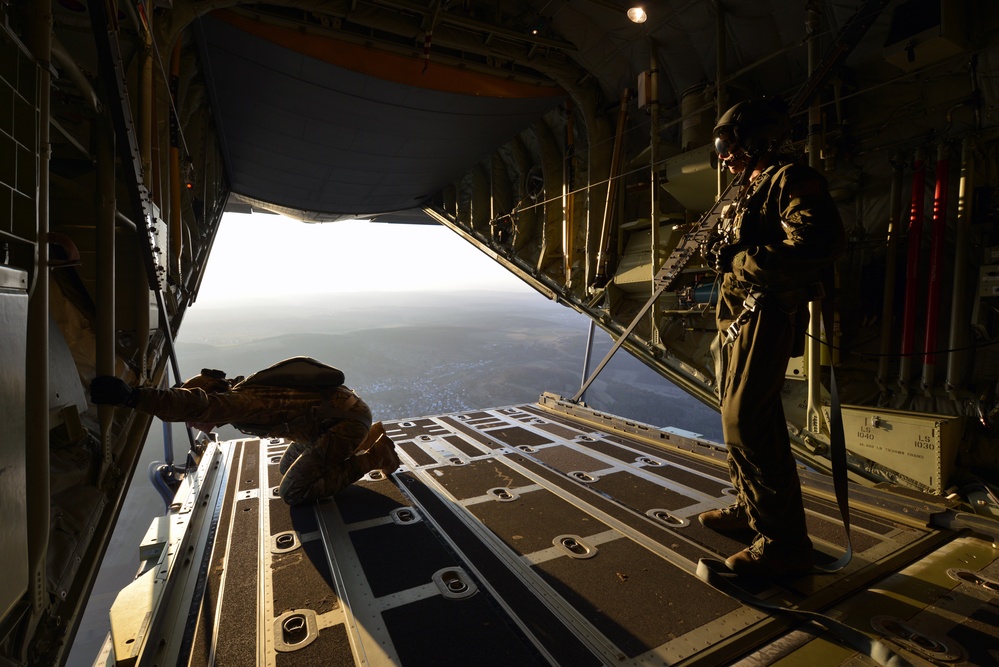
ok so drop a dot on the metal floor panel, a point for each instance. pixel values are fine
(524, 536)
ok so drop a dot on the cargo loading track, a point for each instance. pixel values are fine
(526, 535)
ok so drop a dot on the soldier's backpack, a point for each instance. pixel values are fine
(297, 373)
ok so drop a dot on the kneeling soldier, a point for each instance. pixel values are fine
(333, 441)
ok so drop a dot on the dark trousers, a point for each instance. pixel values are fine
(328, 464)
(759, 450)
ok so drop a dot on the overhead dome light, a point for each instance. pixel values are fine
(537, 26)
(637, 15)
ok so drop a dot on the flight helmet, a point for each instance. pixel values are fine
(755, 126)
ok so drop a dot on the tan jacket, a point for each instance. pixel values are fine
(297, 414)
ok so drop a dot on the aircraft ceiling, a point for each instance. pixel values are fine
(308, 134)
(334, 110)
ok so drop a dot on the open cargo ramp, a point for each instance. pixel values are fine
(534, 535)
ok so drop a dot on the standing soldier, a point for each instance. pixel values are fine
(333, 441)
(774, 250)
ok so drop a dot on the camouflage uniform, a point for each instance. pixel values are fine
(326, 428)
(789, 236)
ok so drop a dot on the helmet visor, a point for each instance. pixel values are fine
(725, 143)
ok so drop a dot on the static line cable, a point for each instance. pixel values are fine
(585, 188)
(900, 355)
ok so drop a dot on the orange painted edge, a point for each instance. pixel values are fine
(389, 66)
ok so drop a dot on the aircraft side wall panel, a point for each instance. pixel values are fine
(13, 494)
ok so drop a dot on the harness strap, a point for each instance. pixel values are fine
(837, 439)
(748, 308)
(786, 298)
(716, 574)
(837, 452)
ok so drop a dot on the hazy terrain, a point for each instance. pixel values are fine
(408, 355)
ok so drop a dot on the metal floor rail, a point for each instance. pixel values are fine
(527, 535)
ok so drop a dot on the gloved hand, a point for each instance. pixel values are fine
(718, 253)
(108, 390)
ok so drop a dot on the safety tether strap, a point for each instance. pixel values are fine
(837, 438)
(715, 573)
(837, 455)
(837, 447)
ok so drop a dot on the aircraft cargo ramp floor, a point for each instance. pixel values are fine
(534, 535)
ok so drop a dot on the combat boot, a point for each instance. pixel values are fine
(290, 455)
(731, 519)
(387, 460)
(762, 561)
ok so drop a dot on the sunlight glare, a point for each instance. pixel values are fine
(269, 255)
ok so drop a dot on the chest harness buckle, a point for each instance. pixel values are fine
(749, 307)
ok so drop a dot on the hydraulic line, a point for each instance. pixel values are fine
(720, 53)
(75, 74)
(176, 224)
(958, 316)
(37, 376)
(938, 236)
(891, 259)
(813, 142)
(106, 265)
(612, 187)
(656, 249)
(912, 270)
(568, 197)
(720, 93)
(145, 113)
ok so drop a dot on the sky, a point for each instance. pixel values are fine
(345, 256)
(264, 255)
